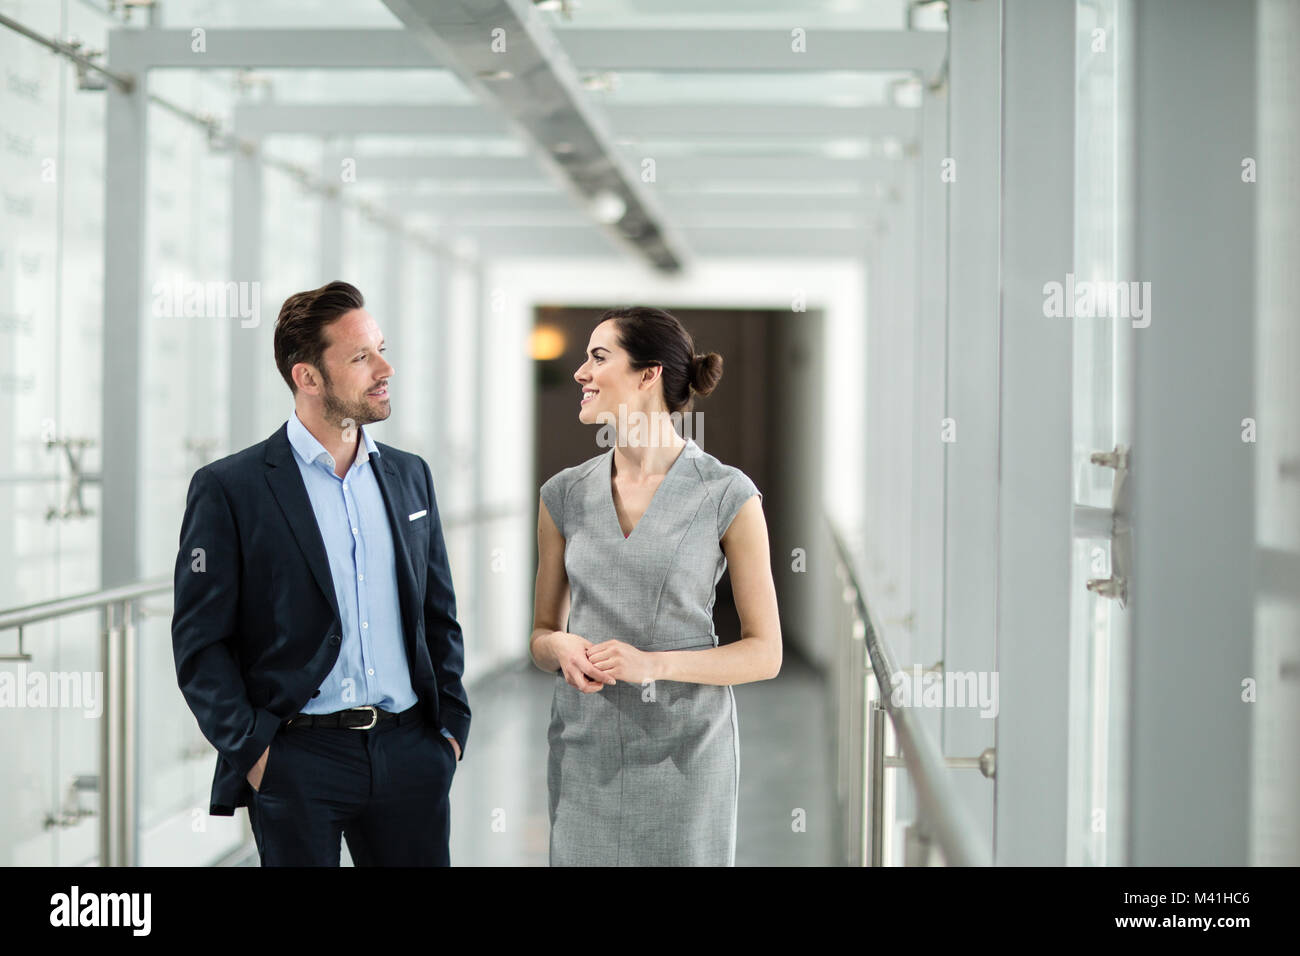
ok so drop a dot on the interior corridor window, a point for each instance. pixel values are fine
(1102, 420)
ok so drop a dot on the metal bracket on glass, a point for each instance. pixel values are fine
(21, 655)
(1117, 459)
(1120, 532)
(73, 812)
(88, 80)
(197, 750)
(986, 763)
(201, 449)
(126, 6)
(73, 449)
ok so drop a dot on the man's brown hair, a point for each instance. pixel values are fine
(300, 329)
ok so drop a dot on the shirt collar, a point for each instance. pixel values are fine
(310, 449)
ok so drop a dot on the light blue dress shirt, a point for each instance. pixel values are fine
(371, 667)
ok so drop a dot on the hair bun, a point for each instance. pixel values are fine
(706, 370)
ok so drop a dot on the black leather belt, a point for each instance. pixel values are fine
(355, 718)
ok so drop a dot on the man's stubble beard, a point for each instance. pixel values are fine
(337, 410)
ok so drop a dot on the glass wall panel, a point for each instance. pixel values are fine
(51, 204)
(1102, 408)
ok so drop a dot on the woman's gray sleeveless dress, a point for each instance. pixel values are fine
(645, 774)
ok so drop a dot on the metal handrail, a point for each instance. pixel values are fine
(118, 750)
(90, 601)
(71, 51)
(941, 810)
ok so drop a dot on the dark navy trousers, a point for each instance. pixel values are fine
(384, 790)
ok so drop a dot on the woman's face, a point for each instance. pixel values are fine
(607, 381)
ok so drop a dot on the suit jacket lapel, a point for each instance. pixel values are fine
(286, 483)
(386, 476)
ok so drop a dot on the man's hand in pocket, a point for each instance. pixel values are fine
(259, 768)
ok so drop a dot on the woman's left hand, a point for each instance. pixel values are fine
(622, 661)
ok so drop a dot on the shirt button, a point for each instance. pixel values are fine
(371, 672)
(354, 530)
(334, 639)
(345, 486)
(365, 624)
(361, 577)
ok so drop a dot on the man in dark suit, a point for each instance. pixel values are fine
(315, 628)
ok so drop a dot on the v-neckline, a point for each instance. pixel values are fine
(613, 505)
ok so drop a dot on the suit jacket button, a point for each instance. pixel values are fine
(335, 640)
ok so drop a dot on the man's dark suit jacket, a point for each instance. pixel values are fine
(256, 625)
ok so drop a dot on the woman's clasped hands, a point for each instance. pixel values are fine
(591, 667)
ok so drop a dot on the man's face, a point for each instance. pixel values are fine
(355, 373)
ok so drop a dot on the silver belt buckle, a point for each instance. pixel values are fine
(374, 717)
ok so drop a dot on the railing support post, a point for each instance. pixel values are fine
(128, 720)
(917, 845)
(876, 732)
(110, 757)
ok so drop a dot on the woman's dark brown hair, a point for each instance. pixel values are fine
(300, 329)
(654, 337)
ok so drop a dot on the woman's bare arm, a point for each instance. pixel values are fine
(551, 647)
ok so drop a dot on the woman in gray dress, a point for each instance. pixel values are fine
(644, 744)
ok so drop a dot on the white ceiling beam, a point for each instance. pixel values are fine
(685, 217)
(497, 243)
(780, 119)
(731, 49)
(383, 48)
(722, 49)
(442, 168)
(661, 120)
(369, 119)
(670, 171)
(681, 170)
(683, 205)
